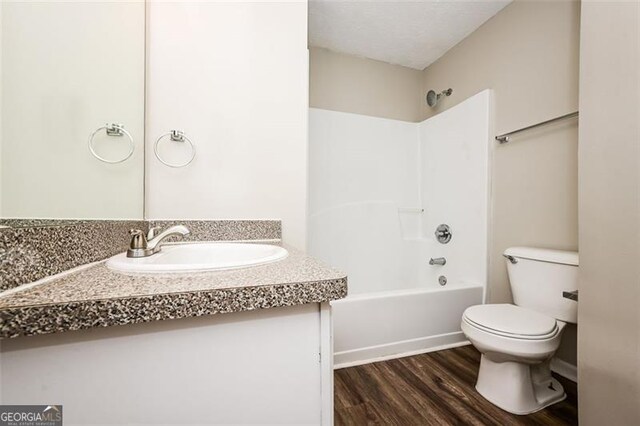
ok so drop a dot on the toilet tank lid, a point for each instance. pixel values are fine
(544, 255)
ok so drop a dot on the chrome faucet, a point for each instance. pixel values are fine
(438, 261)
(144, 246)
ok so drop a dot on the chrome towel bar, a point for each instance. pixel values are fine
(504, 138)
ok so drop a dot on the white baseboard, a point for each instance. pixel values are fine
(398, 349)
(565, 369)
(425, 345)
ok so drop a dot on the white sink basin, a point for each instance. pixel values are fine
(199, 257)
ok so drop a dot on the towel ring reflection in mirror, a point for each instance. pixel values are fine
(175, 136)
(112, 129)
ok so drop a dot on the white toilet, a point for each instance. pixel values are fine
(517, 341)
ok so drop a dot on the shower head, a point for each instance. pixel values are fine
(433, 97)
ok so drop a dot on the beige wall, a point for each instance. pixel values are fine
(609, 317)
(347, 83)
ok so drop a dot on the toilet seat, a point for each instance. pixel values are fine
(511, 321)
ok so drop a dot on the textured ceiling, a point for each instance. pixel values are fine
(413, 33)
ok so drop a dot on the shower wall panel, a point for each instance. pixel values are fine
(362, 170)
(379, 188)
(454, 188)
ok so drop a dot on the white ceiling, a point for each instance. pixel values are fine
(413, 33)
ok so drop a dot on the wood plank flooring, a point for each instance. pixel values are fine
(437, 388)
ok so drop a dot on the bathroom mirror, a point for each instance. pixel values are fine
(69, 70)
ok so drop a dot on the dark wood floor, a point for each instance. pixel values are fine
(432, 389)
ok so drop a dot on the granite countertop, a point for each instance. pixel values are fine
(98, 297)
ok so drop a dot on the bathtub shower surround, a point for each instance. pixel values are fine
(379, 188)
(454, 189)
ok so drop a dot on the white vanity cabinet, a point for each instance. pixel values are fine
(270, 366)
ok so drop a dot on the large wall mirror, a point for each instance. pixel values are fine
(70, 70)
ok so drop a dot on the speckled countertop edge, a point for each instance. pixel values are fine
(99, 297)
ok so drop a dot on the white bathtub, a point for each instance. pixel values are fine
(390, 324)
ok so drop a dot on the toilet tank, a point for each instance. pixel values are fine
(539, 276)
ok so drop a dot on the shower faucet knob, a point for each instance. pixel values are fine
(443, 233)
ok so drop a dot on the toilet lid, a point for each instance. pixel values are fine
(511, 320)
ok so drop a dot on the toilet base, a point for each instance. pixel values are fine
(517, 387)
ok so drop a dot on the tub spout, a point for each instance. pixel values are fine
(438, 261)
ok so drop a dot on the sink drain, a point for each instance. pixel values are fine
(442, 280)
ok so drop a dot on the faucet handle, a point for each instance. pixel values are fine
(138, 240)
(152, 232)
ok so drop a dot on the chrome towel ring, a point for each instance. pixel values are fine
(175, 136)
(112, 129)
